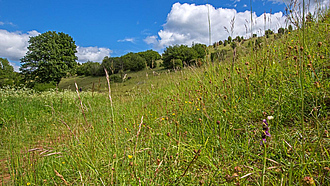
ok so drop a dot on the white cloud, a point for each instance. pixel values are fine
(132, 40)
(13, 45)
(95, 54)
(187, 23)
(2, 23)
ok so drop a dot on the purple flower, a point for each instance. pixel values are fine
(265, 132)
(266, 128)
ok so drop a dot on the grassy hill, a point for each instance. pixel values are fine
(191, 126)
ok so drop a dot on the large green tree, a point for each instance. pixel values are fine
(50, 57)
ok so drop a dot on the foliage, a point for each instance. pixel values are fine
(268, 33)
(225, 43)
(50, 57)
(7, 74)
(114, 64)
(281, 30)
(90, 69)
(200, 49)
(134, 61)
(186, 54)
(233, 45)
(151, 57)
(229, 39)
(44, 86)
(116, 78)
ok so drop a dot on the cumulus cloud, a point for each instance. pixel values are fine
(13, 46)
(188, 23)
(92, 53)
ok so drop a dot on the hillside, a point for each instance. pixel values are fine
(260, 119)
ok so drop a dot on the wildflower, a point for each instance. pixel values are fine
(130, 156)
(173, 114)
(270, 117)
(63, 162)
(28, 183)
(265, 132)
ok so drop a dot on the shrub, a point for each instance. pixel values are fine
(44, 86)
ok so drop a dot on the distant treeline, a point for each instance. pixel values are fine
(51, 56)
(175, 56)
(131, 61)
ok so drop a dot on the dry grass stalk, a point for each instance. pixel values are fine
(81, 106)
(137, 135)
(54, 153)
(81, 178)
(107, 76)
(69, 129)
(62, 178)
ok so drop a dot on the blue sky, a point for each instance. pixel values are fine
(114, 28)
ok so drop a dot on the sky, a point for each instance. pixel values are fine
(113, 28)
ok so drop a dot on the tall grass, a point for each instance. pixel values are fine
(190, 126)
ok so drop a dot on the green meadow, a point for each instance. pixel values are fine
(195, 125)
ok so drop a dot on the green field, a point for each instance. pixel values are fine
(197, 125)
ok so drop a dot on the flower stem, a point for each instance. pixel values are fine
(264, 167)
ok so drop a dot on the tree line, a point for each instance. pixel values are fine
(51, 56)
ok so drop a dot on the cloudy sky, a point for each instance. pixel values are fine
(113, 28)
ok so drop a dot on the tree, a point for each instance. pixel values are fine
(113, 64)
(268, 33)
(134, 61)
(200, 49)
(225, 43)
(182, 52)
(50, 57)
(280, 30)
(7, 74)
(229, 39)
(238, 39)
(150, 56)
(90, 69)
